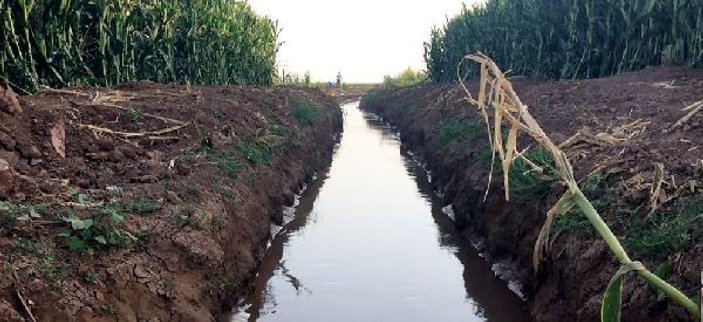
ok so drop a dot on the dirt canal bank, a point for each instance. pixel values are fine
(640, 169)
(369, 242)
(148, 202)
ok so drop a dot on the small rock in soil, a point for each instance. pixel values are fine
(140, 272)
(58, 138)
(11, 157)
(7, 179)
(30, 152)
(7, 141)
(9, 103)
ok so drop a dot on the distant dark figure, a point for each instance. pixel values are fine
(339, 79)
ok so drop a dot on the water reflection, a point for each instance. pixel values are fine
(492, 298)
(369, 244)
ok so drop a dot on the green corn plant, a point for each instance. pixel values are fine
(569, 38)
(497, 93)
(107, 42)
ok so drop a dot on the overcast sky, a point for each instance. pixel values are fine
(363, 39)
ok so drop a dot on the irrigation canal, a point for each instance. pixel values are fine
(368, 243)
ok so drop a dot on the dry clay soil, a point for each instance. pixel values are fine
(570, 285)
(181, 184)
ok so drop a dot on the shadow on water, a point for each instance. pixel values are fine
(273, 259)
(369, 242)
(493, 299)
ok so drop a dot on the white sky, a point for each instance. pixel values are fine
(362, 39)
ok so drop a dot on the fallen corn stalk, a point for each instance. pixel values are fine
(692, 110)
(496, 93)
(153, 135)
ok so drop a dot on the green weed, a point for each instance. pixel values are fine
(306, 113)
(408, 77)
(135, 116)
(26, 246)
(91, 277)
(102, 230)
(141, 207)
(602, 195)
(227, 162)
(289, 136)
(678, 228)
(110, 309)
(223, 189)
(55, 268)
(11, 214)
(258, 154)
(216, 112)
(526, 184)
(280, 130)
(452, 129)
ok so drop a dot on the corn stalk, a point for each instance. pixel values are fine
(107, 42)
(496, 93)
(570, 38)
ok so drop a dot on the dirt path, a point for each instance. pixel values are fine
(640, 168)
(148, 202)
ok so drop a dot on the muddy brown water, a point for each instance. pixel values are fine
(369, 242)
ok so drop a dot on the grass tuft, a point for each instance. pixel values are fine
(453, 129)
(227, 162)
(258, 154)
(676, 229)
(526, 184)
(306, 113)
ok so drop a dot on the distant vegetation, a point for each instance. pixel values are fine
(569, 38)
(408, 77)
(106, 42)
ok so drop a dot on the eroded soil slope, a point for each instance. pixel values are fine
(148, 202)
(642, 171)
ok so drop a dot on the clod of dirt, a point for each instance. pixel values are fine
(30, 152)
(140, 272)
(8, 313)
(9, 102)
(7, 179)
(58, 138)
(7, 141)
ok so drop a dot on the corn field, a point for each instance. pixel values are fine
(106, 42)
(570, 38)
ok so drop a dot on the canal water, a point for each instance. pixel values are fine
(367, 242)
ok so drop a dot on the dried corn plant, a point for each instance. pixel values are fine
(496, 96)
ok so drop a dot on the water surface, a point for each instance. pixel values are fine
(369, 243)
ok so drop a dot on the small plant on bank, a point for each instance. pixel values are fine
(110, 309)
(102, 230)
(452, 129)
(667, 232)
(529, 183)
(141, 207)
(54, 267)
(135, 116)
(602, 195)
(11, 214)
(408, 77)
(257, 153)
(91, 277)
(279, 130)
(306, 113)
(227, 162)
